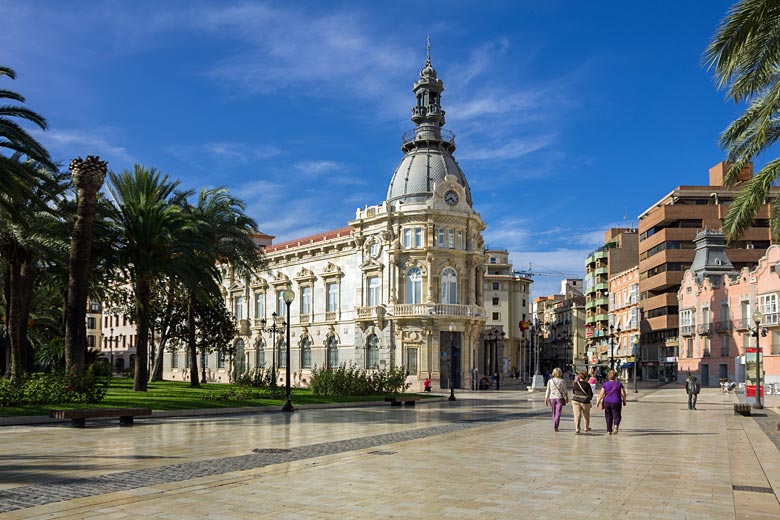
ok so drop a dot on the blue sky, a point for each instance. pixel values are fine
(570, 116)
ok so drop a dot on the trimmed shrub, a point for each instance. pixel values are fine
(53, 388)
(351, 380)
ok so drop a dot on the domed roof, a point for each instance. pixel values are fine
(428, 70)
(420, 169)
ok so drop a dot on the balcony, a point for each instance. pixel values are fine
(704, 329)
(304, 319)
(330, 315)
(723, 327)
(601, 271)
(687, 330)
(743, 324)
(602, 287)
(410, 310)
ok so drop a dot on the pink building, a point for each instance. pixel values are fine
(716, 304)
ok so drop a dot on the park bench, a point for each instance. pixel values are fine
(79, 415)
(397, 400)
(742, 409)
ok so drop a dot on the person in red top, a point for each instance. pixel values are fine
(427, 385)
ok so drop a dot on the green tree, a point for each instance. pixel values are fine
(31, 241)
(88, 177)
(228, 232)
(18, 147)
(745, 57)
(157, 239)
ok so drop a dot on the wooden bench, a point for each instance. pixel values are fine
(78, 416)
(397, 400)
(742, 409)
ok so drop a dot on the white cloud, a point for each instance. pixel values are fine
(511, 149)
(67, 144)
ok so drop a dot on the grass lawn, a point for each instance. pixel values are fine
(179, 395)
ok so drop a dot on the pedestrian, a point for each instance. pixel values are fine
(692, 388)
(556, 396)
(612, 399)
(592, 382)
(427, 384)
(581, 397)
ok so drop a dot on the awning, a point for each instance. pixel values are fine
(630, 364)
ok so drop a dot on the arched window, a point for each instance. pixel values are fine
(333, 352)
(449, 286)
(414, 286)
(306, 352)
(282, 354)
(372, 352)
(259, 353)
(239, 359)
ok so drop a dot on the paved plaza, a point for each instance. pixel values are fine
(487, 455)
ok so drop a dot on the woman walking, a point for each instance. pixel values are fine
(612, 398)
(556, 396)
(581, 397)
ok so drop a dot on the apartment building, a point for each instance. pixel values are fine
(559, 329)
(619, 253)
(624, 320)
(666, 250)
(507, 303)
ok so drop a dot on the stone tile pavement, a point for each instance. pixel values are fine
(487, 455)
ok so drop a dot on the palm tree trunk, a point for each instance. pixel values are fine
(22, 277)
(142, 295)
(88, 176)
(191, 346)
(28, 275)
(6, 339)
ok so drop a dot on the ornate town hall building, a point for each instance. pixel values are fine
(400, 285)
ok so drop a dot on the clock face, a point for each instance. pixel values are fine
(451, 198)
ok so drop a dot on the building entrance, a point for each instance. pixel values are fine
(450, 341)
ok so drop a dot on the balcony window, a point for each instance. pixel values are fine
(449, 286)
(306, 301)
(374, 291)
(259, 306)
(414, 286)
(239, 306)
(333, 297)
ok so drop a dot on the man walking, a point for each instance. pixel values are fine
(692, 387)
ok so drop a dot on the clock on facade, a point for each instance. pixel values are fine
(451, 198)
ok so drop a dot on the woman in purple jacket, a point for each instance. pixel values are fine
(612, 399)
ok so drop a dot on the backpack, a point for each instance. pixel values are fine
(695, 386)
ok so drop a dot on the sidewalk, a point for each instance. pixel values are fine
(487, 455)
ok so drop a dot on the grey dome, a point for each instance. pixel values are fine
(420, 168)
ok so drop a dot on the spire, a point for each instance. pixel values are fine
(427, 113)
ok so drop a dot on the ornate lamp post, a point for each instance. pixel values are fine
(452, 361)
(273, 329)
(288, 295)
(611, 333)
(757, 319)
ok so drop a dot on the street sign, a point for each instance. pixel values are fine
(594, 360)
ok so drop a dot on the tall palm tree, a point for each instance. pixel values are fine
(88, 177)
(15, 178)
(745, 57)
(228, 232)
(157, 238)
(30, 240)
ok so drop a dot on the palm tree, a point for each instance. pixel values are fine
(157, 238)
(745, 57)
(228, 231)
(88, 177)
(30, 241)
(15, 178)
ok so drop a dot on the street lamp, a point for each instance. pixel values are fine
(757, 319)
(636, 360)
(612, 333)
(273, 329)
(288, 295)
(452, 361)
